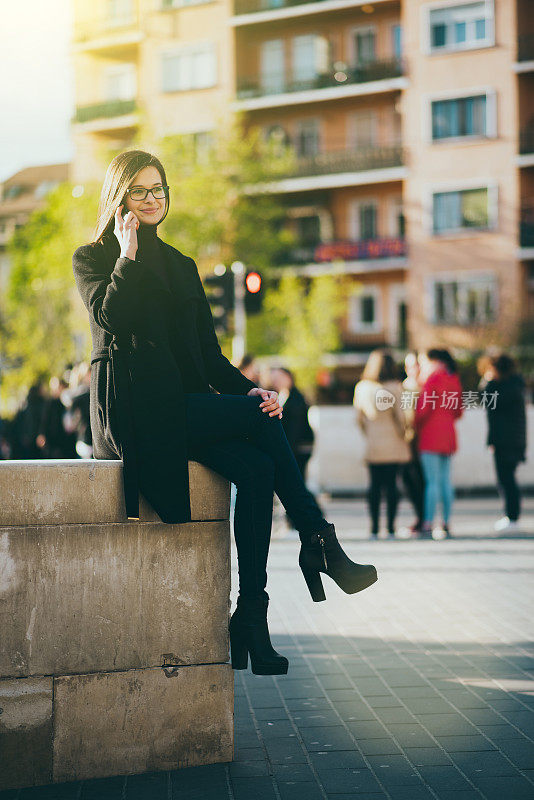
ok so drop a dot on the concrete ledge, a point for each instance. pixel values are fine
(94, 726)
(59, 492)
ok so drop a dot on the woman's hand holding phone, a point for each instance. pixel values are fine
(126, 232)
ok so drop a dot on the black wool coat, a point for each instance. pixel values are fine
(139, 321)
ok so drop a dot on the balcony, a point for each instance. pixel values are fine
(334, 169)
(347, 250)
(112, 115)
(340, 81)
(337, 161)
(114, 36)
(251, 12)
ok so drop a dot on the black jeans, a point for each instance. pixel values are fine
(234, 437)
(383, 478)
(506, 462)
(414, 485)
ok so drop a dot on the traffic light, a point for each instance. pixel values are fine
(219, 290)
(253, 292)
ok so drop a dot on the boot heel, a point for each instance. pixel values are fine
(239, 652)
(314, 584)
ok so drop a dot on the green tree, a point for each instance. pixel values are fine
(300, 322)
(40, 312)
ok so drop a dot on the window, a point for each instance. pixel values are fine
(396, 40)
(120, 82)
(309, 57)
(272, 70)
(193, 67)
(42, 189)
(459, 210)
(119, 12)
(364, 46)
(463, 116)
(364, 219)
(308, 231)
(364, 311)
(364, 129)
(307, 138)
(465, 301)
(397, 221)
(461, 26)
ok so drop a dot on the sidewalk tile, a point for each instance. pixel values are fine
(61, 791)
(337, 759)
(356, 781)
(248, 769)
(334, 737)
(257, 788)
(465, 743)
(103, 789)
(378, 747)
(495, 788)
(427, 756)
(394, 770)
(289, 790)
(521, 752)
(444, 777)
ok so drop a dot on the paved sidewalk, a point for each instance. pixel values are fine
(420, 687)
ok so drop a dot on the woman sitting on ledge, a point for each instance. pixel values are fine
(156, 361)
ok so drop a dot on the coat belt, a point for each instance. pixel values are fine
(122, 386)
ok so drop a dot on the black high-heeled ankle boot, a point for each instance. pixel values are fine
(321, 552)
(249, 634)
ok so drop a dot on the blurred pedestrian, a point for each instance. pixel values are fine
(295, 419)
(412, 472)
(53, 440)
(504, 399)
(78, 414)
(377, 400)
(27, 423)
(249, 367)
(437, 408)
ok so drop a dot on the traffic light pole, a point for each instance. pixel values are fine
(239, 341)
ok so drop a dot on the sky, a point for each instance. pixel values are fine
(36, 85)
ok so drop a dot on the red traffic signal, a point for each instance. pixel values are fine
(253, 282)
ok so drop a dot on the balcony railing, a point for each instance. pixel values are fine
(526, 227)
(108, 26)
(526, 140)
(337, 161)
(112, 108)
(525, 47)
(347, 250)
(272, 84)
(251, 6)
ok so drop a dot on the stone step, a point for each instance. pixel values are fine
(89, 598)
(115, 723)
(53, 492)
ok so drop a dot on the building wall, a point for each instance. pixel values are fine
(455, 164)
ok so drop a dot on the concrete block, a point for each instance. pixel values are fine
(59, 492)
(142, 720)
(25, 732)
(89, 598)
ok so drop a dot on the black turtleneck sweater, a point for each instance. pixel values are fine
(151, 253)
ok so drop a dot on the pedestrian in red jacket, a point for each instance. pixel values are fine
(438, 406)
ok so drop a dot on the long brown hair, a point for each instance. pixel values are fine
(380, 367)
(120, 173)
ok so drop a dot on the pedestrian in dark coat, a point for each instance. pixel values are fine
(157, 366)
(504, 400)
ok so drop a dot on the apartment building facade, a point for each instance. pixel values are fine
(411, 123)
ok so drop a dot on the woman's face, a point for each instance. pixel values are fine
(150, 210)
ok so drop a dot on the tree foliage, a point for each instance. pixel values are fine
(300, 323)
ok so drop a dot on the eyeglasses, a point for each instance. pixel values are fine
(140, 193)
